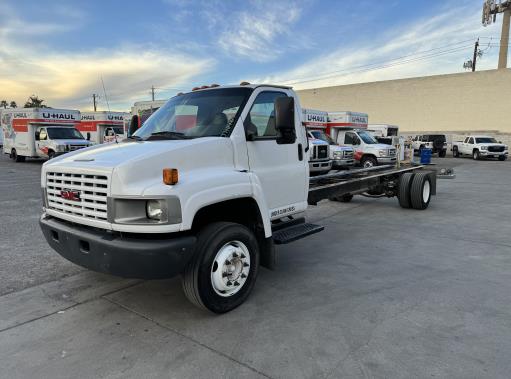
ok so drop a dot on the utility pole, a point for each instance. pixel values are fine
(94, 97)
(476, 47)
(490, 11)
(152, 92)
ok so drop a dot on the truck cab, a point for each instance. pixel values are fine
(341, 156)
(368, 151)
(198, 190)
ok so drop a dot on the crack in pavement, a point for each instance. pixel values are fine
(193, 340)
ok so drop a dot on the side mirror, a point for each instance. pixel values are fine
(37, 135)
(88, 136)
(134, 124)
(285, 120)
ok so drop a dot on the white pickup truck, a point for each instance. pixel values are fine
(479, 147)
(207, 196)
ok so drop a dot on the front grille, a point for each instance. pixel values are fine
(322, 152)
(392, 152)
(496, 149)
(89, 192)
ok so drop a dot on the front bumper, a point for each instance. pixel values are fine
(320, 166)
(342, 162)
(486, 153)
(125, 256)
(384, 160)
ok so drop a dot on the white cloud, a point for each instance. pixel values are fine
(254, 34)
(355, 63)
(68, 79)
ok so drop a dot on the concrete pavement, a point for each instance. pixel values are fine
(382, 292)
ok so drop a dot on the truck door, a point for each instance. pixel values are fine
(280, 170)
(42, 142)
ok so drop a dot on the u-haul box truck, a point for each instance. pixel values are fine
(345, 119)
(40, 132)
(103, 126)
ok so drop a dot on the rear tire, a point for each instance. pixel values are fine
(502, 158)
(403, 195)
(15, 157)
(224, 268)
(420, 192)
(441, 154)
(476, 155)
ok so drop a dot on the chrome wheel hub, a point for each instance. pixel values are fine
(230, 268)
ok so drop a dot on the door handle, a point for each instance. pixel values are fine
(300, 152)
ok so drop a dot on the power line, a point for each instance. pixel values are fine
(377, 66)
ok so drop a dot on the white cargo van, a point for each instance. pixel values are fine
(103, 126)
(40, 132)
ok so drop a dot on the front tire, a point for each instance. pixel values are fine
(455, 152)
(502, 158)
(368, 162)
(51, 154)
(224, 268)
(476, 155)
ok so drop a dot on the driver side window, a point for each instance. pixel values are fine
(261, 118)
(43, 135)
(350, 139)
(471, 141)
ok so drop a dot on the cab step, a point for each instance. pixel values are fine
(295, 232)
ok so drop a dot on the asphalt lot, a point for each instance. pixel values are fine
(383, 292)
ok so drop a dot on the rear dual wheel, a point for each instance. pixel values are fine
(414, 190)
(223, 271)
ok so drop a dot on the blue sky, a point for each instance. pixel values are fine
(60, 49)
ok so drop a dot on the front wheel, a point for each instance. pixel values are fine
(368, 162)
(476, 155)
(502, 157)
(455, 152)
(51, 154)
(224, 269)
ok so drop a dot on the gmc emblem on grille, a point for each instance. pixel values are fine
(70, 195)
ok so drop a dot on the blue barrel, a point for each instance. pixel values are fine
(426, 156)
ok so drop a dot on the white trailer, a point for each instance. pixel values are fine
(40, 132)
(103, 126)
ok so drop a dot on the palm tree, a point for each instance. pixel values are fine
(13, 104)
(34, 102)
(3, 103)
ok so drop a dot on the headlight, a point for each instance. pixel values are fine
(382, 153)
(484, 147)
(154, 210)
(337, 154)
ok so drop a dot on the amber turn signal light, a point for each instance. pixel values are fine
(170, 176)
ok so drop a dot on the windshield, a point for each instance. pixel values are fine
(118, 130)
(318, 134)
(210, 113)
(486, 140)
(64, 133)
(367, 138)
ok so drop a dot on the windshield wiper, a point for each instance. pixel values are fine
(136, 138)
(168, 135)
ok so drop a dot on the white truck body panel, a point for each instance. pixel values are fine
(384, 130)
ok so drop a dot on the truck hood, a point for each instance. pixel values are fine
(139, 164)
(380, 146)
(341, 148)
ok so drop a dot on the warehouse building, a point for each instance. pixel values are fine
(456, 104)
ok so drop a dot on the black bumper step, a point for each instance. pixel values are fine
(295, 232)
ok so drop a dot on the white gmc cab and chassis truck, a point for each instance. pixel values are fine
(208, 201)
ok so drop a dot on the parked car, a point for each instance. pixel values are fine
(480, 147)
(436, 142)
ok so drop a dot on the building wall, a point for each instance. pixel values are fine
(457, 103)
